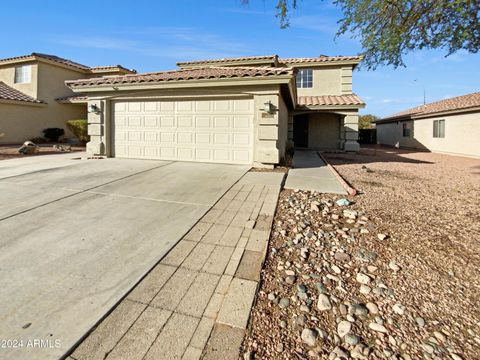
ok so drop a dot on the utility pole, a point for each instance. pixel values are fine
(424, 92)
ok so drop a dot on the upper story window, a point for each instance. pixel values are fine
(23, 74)
(305, 78)
(438, 128)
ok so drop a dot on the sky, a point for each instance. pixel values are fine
(152, 35)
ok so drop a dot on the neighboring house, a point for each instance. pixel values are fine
(449, 126)
(245, 110)
(33, 95)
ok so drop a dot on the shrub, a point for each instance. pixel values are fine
(79, 128)
(53, 134)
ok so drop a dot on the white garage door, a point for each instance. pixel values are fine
(190, 130)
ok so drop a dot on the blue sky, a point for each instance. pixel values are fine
(152, 35)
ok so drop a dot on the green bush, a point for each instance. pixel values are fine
(53, 134)
(79, 128)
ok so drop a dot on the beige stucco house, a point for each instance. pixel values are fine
(247, 110)
(450, 126)
(33, 95)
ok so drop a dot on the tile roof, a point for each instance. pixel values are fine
(184, 74)
(322, 58)
(34, 56)
(112, 68)
(456, 103)
(72, 98)
(9, 93)
(329, 100)
(60, 60)
(227, 60)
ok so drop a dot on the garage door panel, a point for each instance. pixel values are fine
(196, 130)
(167, 121)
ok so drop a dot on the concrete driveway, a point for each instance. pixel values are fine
(77, 235)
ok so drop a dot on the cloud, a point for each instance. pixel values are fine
(181, 43)
(316, 23)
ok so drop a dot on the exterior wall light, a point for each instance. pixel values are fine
(268, 107)
(93, 108)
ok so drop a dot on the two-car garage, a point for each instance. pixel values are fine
(206, 130)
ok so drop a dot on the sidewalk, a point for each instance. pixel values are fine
(311, 173)
(196, 302)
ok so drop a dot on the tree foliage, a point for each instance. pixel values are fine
(388, 29)
(366, 121)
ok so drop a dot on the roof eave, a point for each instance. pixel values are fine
(238, 81)
(330, 107)
(428, 115)
(22, 102)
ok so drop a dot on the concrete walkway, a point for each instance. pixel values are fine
(196, 302)
(311, 173)
(77, 235)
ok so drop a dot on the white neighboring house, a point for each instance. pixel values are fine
(450, 126)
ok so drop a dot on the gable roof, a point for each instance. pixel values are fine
(330, 100)
(10, 94)
(62, 61)
(455, 104)
(206, 73)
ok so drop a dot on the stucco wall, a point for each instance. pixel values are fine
(324, 131)
(329, 80)
(462, 135)
(20, 122)
(7, 75)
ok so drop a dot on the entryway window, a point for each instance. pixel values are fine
(305, 78)
(23, 74)
(438, 128)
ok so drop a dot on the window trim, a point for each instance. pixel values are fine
(439, 129)
(23, 74)
(304, 78)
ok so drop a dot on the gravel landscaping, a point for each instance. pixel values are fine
(11, 151)
(393, 275)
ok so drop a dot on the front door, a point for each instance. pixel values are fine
(300, 131)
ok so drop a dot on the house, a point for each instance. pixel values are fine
(450, 126)
(33, 95)
(246, 110)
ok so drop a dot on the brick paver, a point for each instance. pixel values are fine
(195, 304)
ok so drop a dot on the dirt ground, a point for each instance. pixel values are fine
(429, 206)
(11, 151)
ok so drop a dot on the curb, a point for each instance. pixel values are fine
(350, 190)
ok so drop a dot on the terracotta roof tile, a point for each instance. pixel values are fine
(184, 74)
(226, 60)
(319, 59)
(456, 103)
(9, 93)
(60, 60)
(329, 100)
(72, 98)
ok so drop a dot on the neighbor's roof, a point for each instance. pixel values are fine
(184, 74)
(35, 56)
(322, 58)
(460, 103)
(11, 94)
(330, 100)
(272, 58)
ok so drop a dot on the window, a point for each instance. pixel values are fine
(407, 130)
(305, 78)
(438, 128)
(23, 74)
